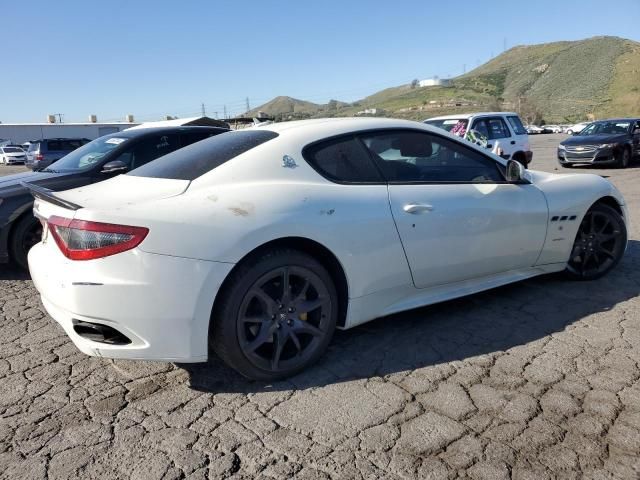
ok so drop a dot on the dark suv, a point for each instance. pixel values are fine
(96, 161)
(43, 153)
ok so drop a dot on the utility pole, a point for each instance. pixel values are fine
(60, 115)
(248, 106)
(204, 112)
(504, 44)
(225, 111)
(464, 68)
(216, 114)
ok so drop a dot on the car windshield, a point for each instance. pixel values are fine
(88, 155)
(599, 128)
(452, 125)
(12, 150)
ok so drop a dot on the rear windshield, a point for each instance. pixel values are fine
(199, 158)
(13, 150)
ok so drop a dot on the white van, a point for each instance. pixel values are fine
(504, 131)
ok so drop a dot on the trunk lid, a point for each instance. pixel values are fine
(123, 190)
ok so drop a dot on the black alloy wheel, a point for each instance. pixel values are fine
(599, 245)
(25, 234)
(624, 158)
(276, 317)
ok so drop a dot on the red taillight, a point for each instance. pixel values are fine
(84, 240)
(39, 157)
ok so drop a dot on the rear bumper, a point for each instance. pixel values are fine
(162, 304)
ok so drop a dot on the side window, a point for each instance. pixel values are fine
(154, 147)
(71, 144)
(516, 125)
(497, 129)
(54, 145)
(481, 126)
(405, 157)
(342, 160)
(193, 137)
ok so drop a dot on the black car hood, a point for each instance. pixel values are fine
(595, 139)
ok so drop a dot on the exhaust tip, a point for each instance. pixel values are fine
(96, 332)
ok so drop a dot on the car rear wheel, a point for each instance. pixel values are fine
(276, 315)
(26, 233)
(599, 244)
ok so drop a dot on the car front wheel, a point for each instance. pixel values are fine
(276, 315)
(623, 158)
(599, 244)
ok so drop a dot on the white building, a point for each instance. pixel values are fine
(24, 132)
(435, 82)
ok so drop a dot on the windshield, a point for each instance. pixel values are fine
(611, 128)
(12, 150)
(457, 126)
(88, 155)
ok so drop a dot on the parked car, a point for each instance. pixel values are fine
(577, 128)
(554, 128)
(260, 242)
(534, 130)
(604, 142)
(504, 130)
(43, 153)
(10, 155)
(98, 160)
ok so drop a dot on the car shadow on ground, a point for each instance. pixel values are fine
(484, 323)
(11, 272)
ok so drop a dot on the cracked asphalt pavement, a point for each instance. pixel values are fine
(535, 380)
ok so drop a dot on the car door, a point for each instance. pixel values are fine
(457, 217)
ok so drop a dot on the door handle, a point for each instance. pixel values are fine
(417, 208)
(513, 142)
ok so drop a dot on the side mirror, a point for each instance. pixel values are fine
(115, 166)
(515, 172)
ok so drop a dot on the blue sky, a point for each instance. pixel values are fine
(152, 58)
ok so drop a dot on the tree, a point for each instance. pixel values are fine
(414, 83)
(528, 111)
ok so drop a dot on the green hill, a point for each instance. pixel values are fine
(556, 82)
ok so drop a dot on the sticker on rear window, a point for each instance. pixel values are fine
(115, 141)
(450, 122)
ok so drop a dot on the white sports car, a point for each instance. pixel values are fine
(260, 242)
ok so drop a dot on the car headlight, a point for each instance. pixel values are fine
(608, 145)
(561, 147)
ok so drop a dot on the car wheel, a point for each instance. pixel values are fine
(26, 233)
(623, 158)
(599, 244)
(276, 315)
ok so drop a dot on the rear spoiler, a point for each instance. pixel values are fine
(48, 196)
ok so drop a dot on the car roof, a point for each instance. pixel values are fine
(141, 132)
(342, 123)
(615, 120)
(469, 115)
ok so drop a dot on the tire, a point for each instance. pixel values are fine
(264, 333)
(624, 158)
(25, 234)
(599, 245)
